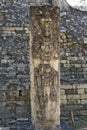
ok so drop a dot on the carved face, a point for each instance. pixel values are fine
(45, 35)
(47, 49)
(46, 24)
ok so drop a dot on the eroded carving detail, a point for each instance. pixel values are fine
(45, 34)
(46, 82)
(45, 45)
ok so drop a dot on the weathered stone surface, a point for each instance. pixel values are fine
(45, 88)
(14, 56)
(80, 91)
(4, 128)
(72, 47)
(72, 91)
(12, 63)
(14, 15)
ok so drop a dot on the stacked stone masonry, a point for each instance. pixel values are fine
(14, 61)
(73, 53)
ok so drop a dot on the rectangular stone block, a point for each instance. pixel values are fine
(63, 101)
(82, 86)
(73, 107)
(83, 96)
(84, 101)
(4, 128)
(63, 97)
(80, 113)
(81, 91)
(73, 97)
(73, 101)
(72, 91)
(62, 92)
(85, 40)
(85, 90)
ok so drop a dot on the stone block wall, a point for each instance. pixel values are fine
(73, 62)
(74, 98)
(14, 61)
(23, 2)
(73, 47)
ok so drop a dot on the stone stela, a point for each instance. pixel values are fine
(44, 67)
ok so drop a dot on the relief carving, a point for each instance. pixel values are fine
(45, 49)
(53, 93)
(45, 35)
(45, 77)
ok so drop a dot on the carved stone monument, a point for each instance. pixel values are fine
(44, 67)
